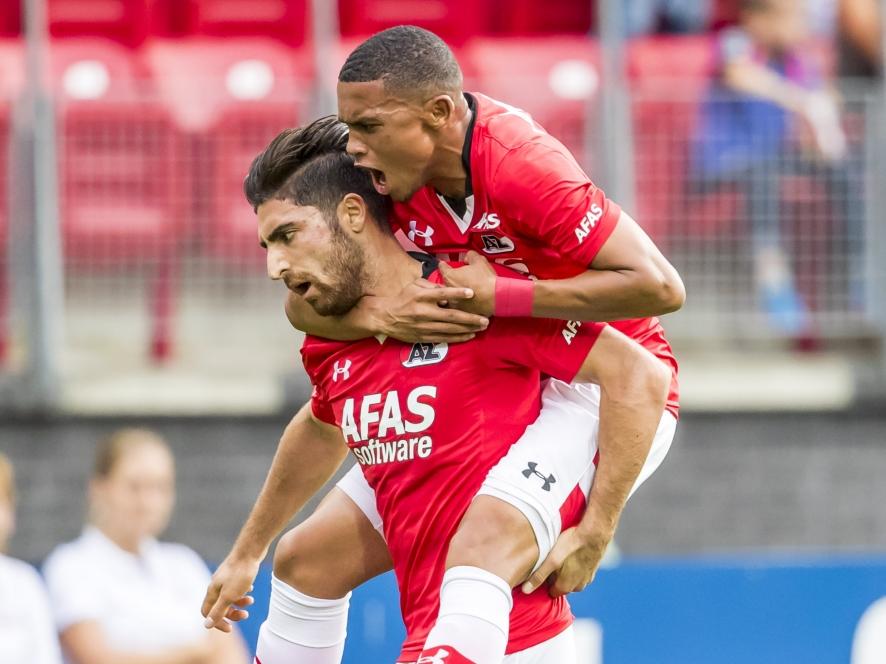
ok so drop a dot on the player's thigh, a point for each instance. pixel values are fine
(559, 649)
(495, 536)
(333, 551)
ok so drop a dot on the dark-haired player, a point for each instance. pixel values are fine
(469, 172)
(426, 423)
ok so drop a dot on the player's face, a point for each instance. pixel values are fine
(135, 500)
(388, 136)
(315, 259)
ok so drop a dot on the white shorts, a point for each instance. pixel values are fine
(553, 459)
(559, 649)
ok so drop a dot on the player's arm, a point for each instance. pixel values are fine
(552, 202)
(419, 313)
(309, 453)
(633, 386)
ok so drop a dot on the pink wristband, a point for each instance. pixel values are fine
(513, 297)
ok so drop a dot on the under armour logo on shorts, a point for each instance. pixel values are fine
(436, 658)
(547, 479)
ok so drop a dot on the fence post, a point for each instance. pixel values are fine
(42, 269)
(614, 124)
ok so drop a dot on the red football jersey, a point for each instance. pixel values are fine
(531, 207)
(427, 422)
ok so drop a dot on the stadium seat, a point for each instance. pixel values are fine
(125, 21)
(121, 182)
(11, 20)
(553, 78)
(283, 20)
(12, 68)
(456, 21)
(668, 76)
(232, 97)
(532, 17)
(201, 79)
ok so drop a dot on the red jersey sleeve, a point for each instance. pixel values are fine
(556, 348)
(312, 356)
(550, 198)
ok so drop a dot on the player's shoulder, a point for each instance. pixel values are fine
(516, 152)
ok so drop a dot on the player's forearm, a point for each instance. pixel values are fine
(609, 295)
(306, 458)
(356, 324)
(631, 407)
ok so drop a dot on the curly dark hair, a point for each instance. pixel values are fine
(309, 166)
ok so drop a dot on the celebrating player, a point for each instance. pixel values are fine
(471, 172)
(426, 423)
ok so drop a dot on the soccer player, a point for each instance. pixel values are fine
(468, 172)
(427, 422)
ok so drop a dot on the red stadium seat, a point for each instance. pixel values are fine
(125, 21)
(532, 17)
(11, 19)
(202, 79)
(551, 78)
(456, 21)
(237, 139)
(284, 20)
(669, 76)
(122, 185)
(233, 97)
(12, 68)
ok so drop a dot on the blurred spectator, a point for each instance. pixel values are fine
(643, 17)
(860, 39)
(770, 114)
(869, 642)
(26, 630)
(119, 595)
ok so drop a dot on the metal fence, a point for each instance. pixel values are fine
(167, 307)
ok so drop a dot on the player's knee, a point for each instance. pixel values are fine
(298, 564)
(494, 536)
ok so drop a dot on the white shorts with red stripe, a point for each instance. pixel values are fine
(549, 468)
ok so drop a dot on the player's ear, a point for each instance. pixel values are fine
(351, 212)
(439, 110)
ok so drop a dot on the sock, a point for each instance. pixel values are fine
(302, 629)
(475, 606)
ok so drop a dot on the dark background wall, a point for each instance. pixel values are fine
(731, 482)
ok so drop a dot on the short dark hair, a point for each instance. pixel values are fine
(405, 58)
(309, 166)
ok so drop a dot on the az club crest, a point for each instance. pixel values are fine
(420, 354)
(495, 244)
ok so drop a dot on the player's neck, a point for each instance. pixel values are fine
(124, 541)
(447, 170)
(390, 268)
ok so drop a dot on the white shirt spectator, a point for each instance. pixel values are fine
(144, 603)
(26, 630)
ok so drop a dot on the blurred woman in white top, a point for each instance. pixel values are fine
(26, 630)
(120, 596)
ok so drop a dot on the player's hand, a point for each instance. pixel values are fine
(228, 594)
(572, 563)
(425, 312)
(477, 276)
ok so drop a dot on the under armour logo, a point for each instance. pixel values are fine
(547, 479)
(436, 658)
(426, 234)
(344, 370)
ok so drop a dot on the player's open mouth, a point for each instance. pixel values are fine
(379, 181)
(301, 288)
